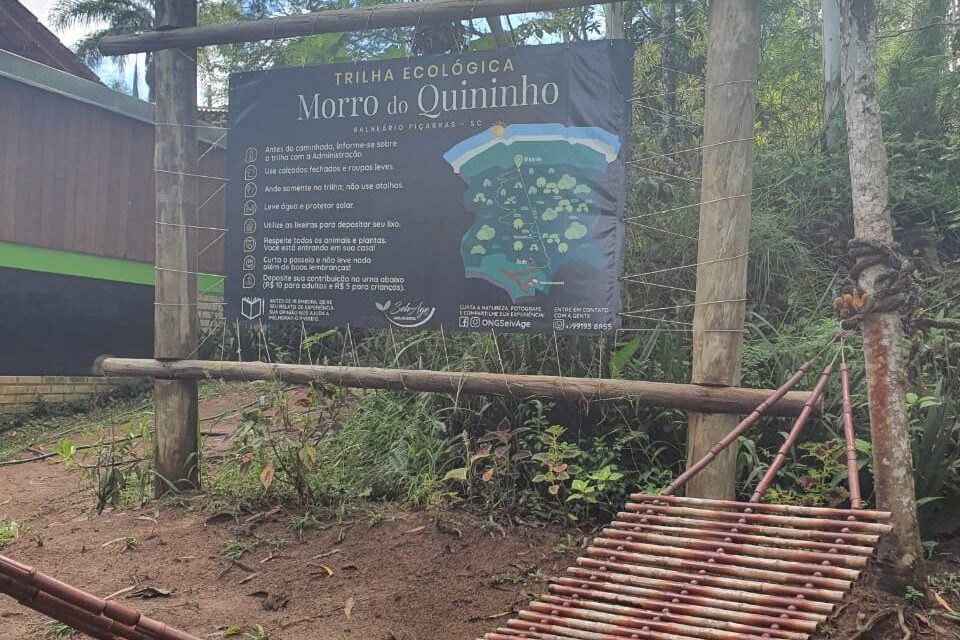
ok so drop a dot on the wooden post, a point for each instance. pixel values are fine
(832, 134)
(883, 343)
(732, 61)
(175, 314)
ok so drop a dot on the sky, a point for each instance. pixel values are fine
(41, 9)
(107, 71)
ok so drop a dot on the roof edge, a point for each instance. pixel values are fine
(40, 76)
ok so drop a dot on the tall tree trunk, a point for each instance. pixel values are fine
(613, 19)
(883, 344)
(733, 54)
(668, 72)
(499, 36)
(831, 73)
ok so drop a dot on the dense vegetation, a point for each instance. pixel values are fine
(509, 458)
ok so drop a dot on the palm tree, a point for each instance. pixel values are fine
(119, 16)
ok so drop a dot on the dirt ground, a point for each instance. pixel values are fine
(382, 573)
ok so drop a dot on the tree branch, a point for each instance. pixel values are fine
(932, 25)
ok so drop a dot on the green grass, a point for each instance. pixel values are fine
(9, 531)
(57, 630)
(257, 634)
(46, 424)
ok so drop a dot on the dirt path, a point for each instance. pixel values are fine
(380, 573)
(401, 575)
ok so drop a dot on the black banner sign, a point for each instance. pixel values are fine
(480, 191)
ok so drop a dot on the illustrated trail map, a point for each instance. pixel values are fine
(529, 186)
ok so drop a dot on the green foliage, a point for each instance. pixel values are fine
(393, 447)
(595, 484)
(936, 454)
(257, 633)
(948, 582)
(117, 465)
(501, 455)
(56, 630)
(914, 595)
(818, 479)
(9, 532)
(555, 461)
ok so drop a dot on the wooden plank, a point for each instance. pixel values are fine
(53, 194)
(75, 177)
(9, 144)
(69, 213)
(175, 314)
(406, 14)
(660, 394)
(727, 182)
(27, 187)
(87, 185)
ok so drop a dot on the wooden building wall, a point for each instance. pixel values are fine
(79, 177)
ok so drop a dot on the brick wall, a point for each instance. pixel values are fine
(210, 310)
(17, 391)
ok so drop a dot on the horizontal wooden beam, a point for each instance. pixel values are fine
(403, 14)
(690, 397)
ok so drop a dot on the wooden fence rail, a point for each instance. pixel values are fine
(405, 14)
(703, 398)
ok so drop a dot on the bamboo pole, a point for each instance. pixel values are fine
(733, 434)
(406, 14)
(175, 312)
(732, 63)
(662, 394)
(781, 458)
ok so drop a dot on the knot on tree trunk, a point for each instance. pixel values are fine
(892, 289)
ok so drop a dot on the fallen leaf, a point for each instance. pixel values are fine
(109, 542)
(348, 607)
(266, 475)
(149, 592)
(120, 592)
(487, 475)
(943, 603)
(327, 569)
(261, 514)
